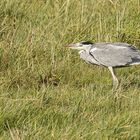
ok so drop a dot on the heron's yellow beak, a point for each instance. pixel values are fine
(71, 45)
(75, 46)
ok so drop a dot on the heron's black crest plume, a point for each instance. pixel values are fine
(86, 43)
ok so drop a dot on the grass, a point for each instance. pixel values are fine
(46, 91)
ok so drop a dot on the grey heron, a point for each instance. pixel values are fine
(110, 55)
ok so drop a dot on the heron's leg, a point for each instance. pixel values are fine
(115, 80)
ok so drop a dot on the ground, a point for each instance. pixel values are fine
(46, 91)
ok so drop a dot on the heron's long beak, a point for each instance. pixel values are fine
(75, 46)
(71, 45)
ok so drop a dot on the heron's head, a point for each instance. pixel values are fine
(81, 45)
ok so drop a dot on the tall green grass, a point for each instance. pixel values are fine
(46, 91)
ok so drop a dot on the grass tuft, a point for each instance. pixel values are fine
(46, 91)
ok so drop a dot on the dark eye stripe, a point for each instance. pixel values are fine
(86, 43)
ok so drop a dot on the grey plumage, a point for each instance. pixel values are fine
(115, 54)
(110, 55)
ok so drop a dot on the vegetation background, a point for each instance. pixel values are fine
(46, 91)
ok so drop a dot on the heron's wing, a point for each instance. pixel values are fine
(115, 54)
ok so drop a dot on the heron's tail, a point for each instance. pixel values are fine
(135, 61)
